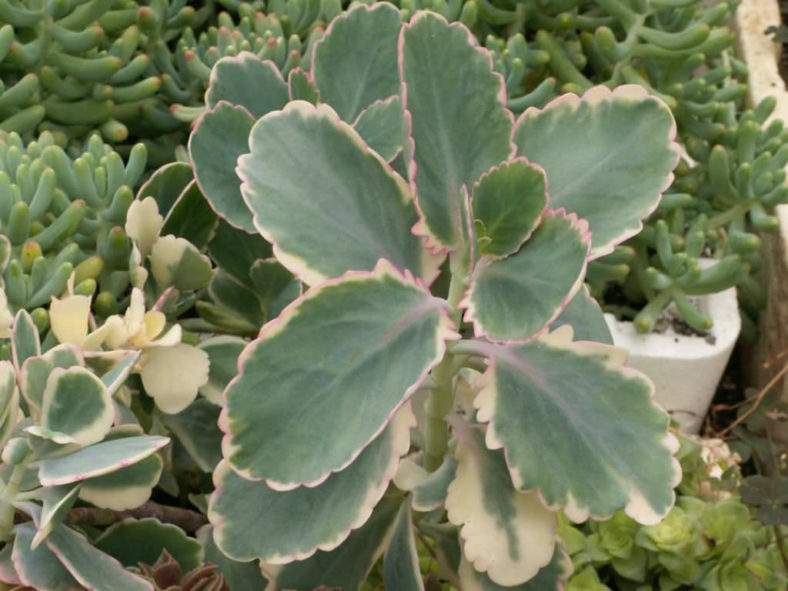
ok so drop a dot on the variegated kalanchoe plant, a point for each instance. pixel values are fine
(428, 382)
(65, 438)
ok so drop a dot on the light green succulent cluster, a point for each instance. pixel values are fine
(709, 541)
(64, 215)
(710, 545)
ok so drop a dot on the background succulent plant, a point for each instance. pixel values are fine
(74, 67)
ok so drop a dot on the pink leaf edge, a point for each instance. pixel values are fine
(397, 451)
(447, 332)
(421, 228)
(581, 227)
(596, 95)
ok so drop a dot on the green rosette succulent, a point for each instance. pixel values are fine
(710, 540)
(410, 210)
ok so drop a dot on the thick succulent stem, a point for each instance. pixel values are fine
(441, 398)
(187, 520)
(439, 404)
(7, 497)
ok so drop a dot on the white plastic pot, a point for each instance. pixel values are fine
(685, 369)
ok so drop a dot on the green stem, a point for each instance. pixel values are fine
(439, 404)
(441, 398)
(186, 519)
(780, 544)
(629, 41)
(7, 497)
(473, 362)
(726, 217)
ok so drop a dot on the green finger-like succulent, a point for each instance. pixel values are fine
(74, 67)
(63, 218)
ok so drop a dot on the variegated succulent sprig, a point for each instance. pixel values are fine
(444, 245)
(65, 437)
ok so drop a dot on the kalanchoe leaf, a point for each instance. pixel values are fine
(191, 217)
(39, 568)
(615, 178)
(8, 572)
(220, 136)
(195, 427)
(75, 402)
(459, 126)
(143, 225)
(67, 316)
(428, 489)
(176, 262)
(24, 339)
(9, 395)
(507, 204)
(274, 286)
(516, 298)
(507, 534)
(57, 501)
(134, 541)
(586, 318)
(549, 578)
(769, 496)
(99, 459)
(544, 402)
(172, 376)
(166, 183)
(237, 300)
(116, 376)
(381, 126)
(352, 332)
(354, 64)
(252, 520)
(125, 488)
(301, 87)
(350, 210)
(88, 565)
(249, 82)
(46, 442)
(240, 576)
(236, 252)
(401, 563)
(223, 353)
(345, 567)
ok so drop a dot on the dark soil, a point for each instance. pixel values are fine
(729, 393)
(617, 303)
(780, 35)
